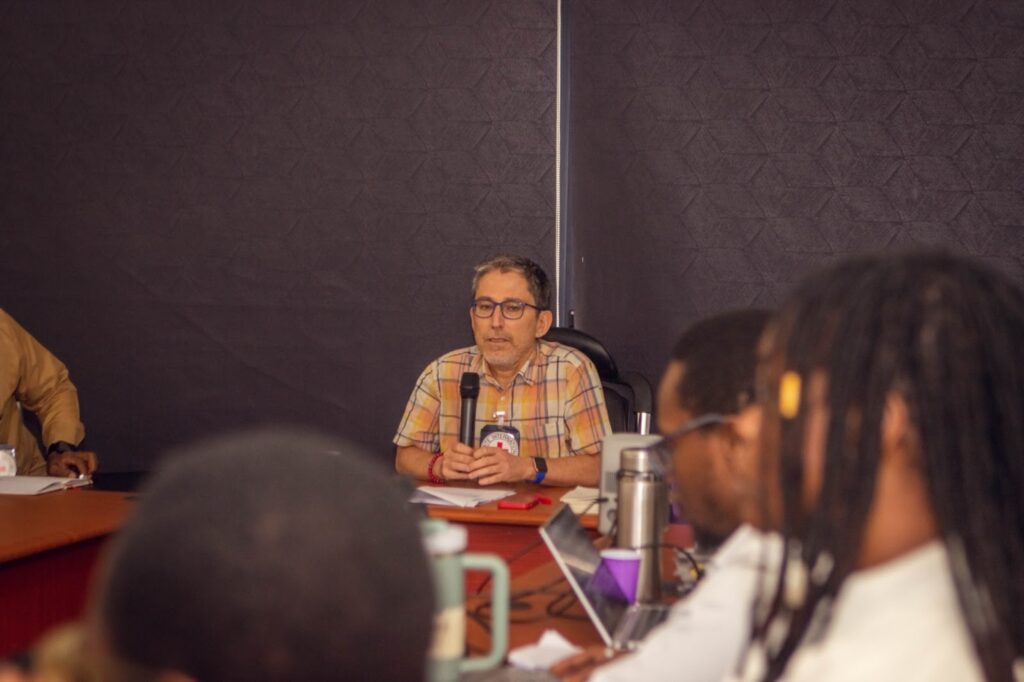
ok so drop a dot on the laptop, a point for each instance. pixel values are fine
(621, 625)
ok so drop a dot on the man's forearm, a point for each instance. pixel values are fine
(576, 470)
(413, 461)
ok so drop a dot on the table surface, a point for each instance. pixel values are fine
(490, 514)
(49, 547)
(30, 524)
(540, 599)
(536, 580)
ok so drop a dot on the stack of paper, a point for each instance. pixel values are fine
(37, 485)
(457, 497)
(551, 649)
(582, 500)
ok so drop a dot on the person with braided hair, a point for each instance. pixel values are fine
(893, 464)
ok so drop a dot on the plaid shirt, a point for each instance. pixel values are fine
(555, 401)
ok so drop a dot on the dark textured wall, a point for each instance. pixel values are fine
(722, 149)
(222, 213)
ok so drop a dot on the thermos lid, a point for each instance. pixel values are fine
(441, 537)
(639, 460)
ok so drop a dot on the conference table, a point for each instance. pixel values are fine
(510, 533)
(541, 597)
(49, 547)
(536, 581)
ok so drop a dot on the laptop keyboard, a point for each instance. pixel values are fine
(636, 622)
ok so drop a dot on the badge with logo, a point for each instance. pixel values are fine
(500, 435)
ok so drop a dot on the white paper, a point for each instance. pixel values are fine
(458, 497)
(37, 485)
(582, 500)
(550, 649)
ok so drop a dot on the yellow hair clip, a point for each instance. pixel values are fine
(789, 394)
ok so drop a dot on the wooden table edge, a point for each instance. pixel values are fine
(490, 513)
(119, 502)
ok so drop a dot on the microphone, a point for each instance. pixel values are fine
(469, 389)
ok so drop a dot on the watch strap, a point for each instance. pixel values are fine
(541, 465)
(60, 446)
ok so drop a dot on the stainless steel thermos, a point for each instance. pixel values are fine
(642, 516)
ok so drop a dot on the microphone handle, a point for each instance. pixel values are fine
(467, 425)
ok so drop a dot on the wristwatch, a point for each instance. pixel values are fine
(542, 469)
(60, 446)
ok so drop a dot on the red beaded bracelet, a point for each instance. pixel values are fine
(435, 478)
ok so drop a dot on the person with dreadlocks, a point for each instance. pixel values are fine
(893, 455)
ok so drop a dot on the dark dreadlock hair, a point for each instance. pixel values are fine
(945, 334)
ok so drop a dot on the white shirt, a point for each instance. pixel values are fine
(898, 621)
(705, 633)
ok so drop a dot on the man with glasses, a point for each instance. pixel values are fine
(549, 393)
(707, 412)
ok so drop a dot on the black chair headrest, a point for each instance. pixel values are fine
(591, 347)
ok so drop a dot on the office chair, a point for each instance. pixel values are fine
(628, 395)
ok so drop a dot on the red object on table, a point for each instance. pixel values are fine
(519, 502)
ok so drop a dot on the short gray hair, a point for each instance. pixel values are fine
(536, 278)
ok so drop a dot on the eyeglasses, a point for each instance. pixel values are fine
(663, 448)
(511, 308)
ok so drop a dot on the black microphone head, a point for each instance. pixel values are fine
(469, 387)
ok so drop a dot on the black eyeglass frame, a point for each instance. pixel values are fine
(501, 305)
(663, 447)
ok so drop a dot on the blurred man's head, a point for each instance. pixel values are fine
(707, 384)
(269, 556)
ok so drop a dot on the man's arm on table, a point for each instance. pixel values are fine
(417, 440)
(453, 465)
(574, 470)
(493, 465)
(488, 466)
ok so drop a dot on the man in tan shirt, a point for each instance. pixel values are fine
(32, 376)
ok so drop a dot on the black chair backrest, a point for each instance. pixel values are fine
(591, 347)
(625, 395)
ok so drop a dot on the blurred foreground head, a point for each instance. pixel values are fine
(270, 556)
(893, 389)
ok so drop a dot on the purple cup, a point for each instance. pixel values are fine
(623, 566)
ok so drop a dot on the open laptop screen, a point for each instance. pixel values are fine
(579, 560)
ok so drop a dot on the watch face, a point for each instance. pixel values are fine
(542, 464)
